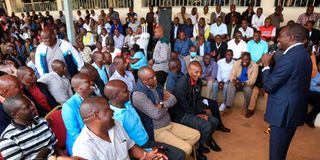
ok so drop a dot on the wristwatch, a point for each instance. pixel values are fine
(161, 103)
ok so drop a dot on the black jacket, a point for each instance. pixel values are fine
(188, 99)
(219, 51)
(44, 90)
(315, 36)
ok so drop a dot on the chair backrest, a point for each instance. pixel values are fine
(57, 126)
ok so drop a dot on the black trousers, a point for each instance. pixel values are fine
(280, 139)
(161, 77)
(170, 151)
(313, 99)
(214, 109)
(205, 127)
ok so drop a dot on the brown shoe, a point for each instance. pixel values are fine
(249, 113)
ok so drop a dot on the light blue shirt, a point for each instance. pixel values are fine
(314, 81)
(102, 72)
(131, 122)
(218, 30)
(72, 120)
(141, 62)
(256, 50)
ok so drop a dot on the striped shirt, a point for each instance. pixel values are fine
(25, 142)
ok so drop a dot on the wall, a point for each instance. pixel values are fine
(289, 13)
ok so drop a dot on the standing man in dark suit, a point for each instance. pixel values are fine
(287, 85)
(176, 27)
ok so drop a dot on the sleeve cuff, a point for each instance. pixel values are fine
(265, 68)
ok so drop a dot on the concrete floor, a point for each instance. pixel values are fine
(247, 141)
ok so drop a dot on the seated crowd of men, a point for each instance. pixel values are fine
(127, 91)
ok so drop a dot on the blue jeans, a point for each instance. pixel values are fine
(216, 90)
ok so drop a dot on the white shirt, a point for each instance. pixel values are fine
(143, 41)
(218, 30)
(206, 17)
(118, 41)
(201, 50)
(94, 17)
(107, 26)
(128, 79)
(224, 70)
(59, 87)
(237, 48)
(116, 52)
(134, 26)
(90, 146)
(246, 33)
(175, 35)
(257, 21)
(87, 27)
(193, 19)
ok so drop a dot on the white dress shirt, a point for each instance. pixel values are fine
(128, 78)
(218, 30)
(59, 87)
(118, 41)
(248, 33)
(90, 146)
(256, 21)
(237, 48)
(224, 70)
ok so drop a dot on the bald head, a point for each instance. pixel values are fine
(59, 67)
(194, 64)
(12, 104)
(48, 37)
(78, 79)
(159, 32)
(147, 76)
(10, 86)
(113, 88)
(90, 71)
(118, 60)
(143, 72)
(96, 113)
(91, 105)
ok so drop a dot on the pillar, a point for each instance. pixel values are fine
(69, 21)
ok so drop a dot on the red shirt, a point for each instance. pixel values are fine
(266, 33)
(40, 97)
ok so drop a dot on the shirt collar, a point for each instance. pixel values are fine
(296, 44)
(22, 127)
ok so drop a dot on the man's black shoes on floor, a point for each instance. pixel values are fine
(214, 146)
(202, 149)
(222, 128)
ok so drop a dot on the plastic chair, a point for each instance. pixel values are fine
(56, 124)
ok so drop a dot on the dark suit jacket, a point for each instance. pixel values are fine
(213, 17)
(100, 85)
(315, 36)
(288, 86)
(229, 29)
(227, 19)
(219, 51)
(44, 90)
(180, 27)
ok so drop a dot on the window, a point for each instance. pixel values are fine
(97, 4)
(297, 3)
(147, 3)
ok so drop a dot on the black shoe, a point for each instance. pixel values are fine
(214, 146)
(200, 156)
(202, 149)
(310, 124)
(222, 128)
